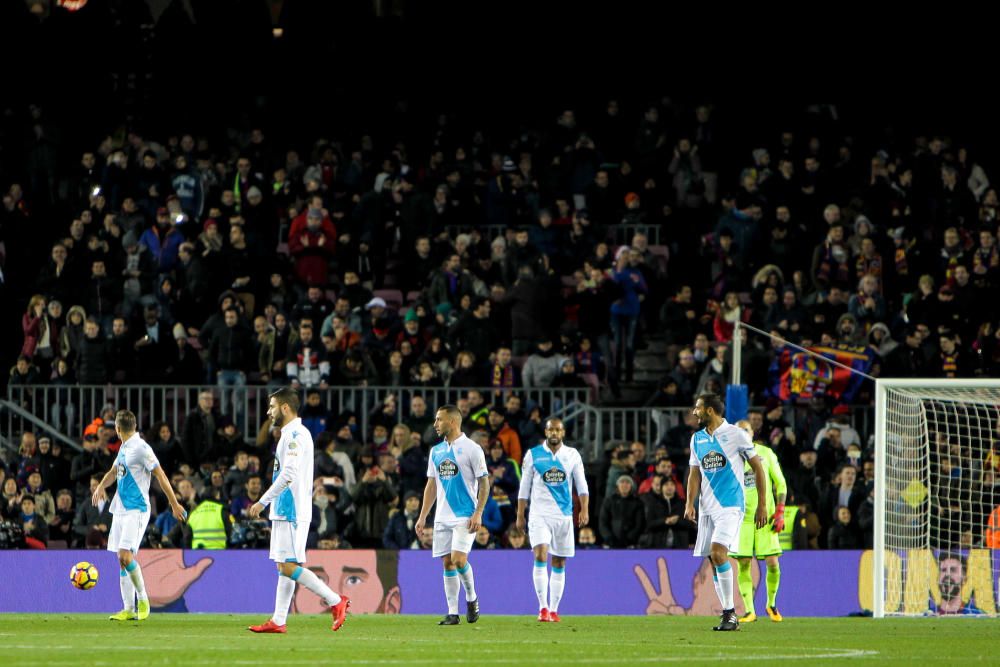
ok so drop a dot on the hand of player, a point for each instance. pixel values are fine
(179, 512)
(662, 601)
(475, 521)
(418, 527)
(99, 495)
(760, 516)
(778, 519)
(255, 510)
(689, 513)
(584, 518)
(520, 522)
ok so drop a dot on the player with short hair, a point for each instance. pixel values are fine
(718, 453)
(133, 469)
(291, 512)
(550, 472)
(457, 479)
(762, 542)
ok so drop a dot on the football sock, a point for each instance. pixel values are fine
(128, 590)
(745, 581)
(715, 581)
(308, 578)
(556, 586)
(725, 572)
(451, 586)
(465, 574)
(135, 574)
(540, 576)
(282, 600)
(773, 579)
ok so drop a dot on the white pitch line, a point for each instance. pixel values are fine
(829, 654)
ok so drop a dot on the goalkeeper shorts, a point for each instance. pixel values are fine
(759, 542)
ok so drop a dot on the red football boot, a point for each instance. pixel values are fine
(339, 612)
(553, 617)
(543, 616)
(269, 627)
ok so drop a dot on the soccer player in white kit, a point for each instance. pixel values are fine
(133, 468)
(550, 472)
(458, 480)
(291, 512)
(718, 452)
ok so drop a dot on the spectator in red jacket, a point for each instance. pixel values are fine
(311, 241)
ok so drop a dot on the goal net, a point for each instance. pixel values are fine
(937, 520)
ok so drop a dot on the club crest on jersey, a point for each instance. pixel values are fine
(554, 476)
(447, 469)
(293, 444)
(713, 461)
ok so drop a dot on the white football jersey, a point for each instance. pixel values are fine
(720, 456)
(134, 466)
(457, 468)
(292, 480)
(547, 480)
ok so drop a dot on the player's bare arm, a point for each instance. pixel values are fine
(430, 495)
(522, 505)
(584, 517)
(100, 493)
(175, 507)
(693, 488)
(760, 516)
(484, 493)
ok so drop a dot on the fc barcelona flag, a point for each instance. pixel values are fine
(796, 375)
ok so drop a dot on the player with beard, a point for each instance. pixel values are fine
(291, 494)
(549, 473)
(718, 453)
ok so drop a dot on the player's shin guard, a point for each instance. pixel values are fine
(135, 574)
(773, 580)
(745, 581)
(283, 599)
(540, 576)
(313, 583)
(725, 574)
(451, 586)
(128, 590)
(557, 584)
(465, 574)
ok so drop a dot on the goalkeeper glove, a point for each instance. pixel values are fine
(779, 517)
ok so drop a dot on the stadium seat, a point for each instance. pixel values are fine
(413, 296)
(595, 386)
(331, 294)
(393, 297)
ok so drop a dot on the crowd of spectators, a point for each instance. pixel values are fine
(542, 259)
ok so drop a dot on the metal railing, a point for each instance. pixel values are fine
(68, 410)
(622, 234)
(64, 412)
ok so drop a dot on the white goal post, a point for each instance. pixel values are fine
(936, 490)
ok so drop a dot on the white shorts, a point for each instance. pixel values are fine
(554, 532)
(452, 537)
(288, 541)
(723, 528)
(127, 531)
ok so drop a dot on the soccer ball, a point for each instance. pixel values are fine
(83, 575)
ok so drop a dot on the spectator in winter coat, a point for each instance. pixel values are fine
(542, 366)
(312, 241)
(621, 519)
(625, 312)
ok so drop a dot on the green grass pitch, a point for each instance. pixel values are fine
(221, 639)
